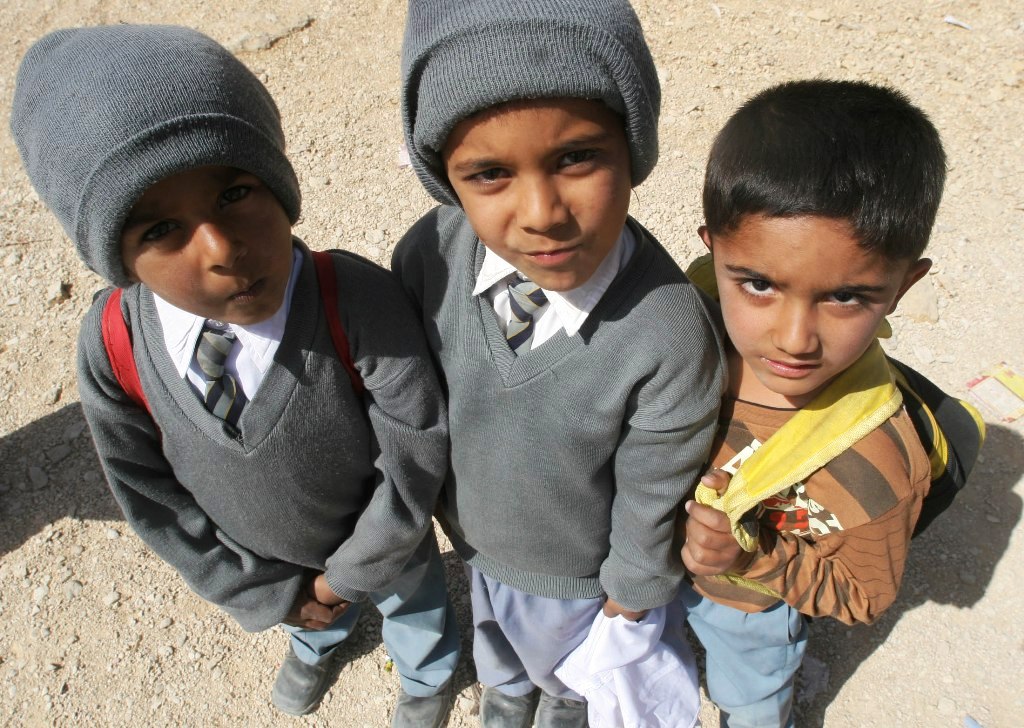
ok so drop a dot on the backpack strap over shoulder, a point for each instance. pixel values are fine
(952, 433)
(117, 339)
(328, 279)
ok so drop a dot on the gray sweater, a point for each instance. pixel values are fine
(568, 463)
(317, 479)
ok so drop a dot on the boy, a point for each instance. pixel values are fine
(583, 370)
(258, 473)
(819, 199)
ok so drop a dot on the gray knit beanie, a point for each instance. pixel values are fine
(462, 56)
(100, 114)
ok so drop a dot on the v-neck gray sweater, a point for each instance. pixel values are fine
(568, 463)
(315, 479)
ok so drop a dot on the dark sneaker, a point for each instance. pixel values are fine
(300, 687)
(498, 710)
(429, 712)
(555, 712)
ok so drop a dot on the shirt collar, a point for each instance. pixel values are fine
(182, 328)
(571, 307)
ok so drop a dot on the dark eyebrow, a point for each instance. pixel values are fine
(471, 166)
(587, 140)
(227, 177)
(747, 272)
(862, 289)
(751, 273)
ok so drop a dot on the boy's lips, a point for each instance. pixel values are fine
(250, 292)
(789, 370)
(552, 257)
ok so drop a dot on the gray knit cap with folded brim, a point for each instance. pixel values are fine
(100, 114)
(462, 56)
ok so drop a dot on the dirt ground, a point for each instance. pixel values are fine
(96, 631)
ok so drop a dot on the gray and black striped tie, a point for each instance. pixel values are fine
(223, 397)
(525, 297)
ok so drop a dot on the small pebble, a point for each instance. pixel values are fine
(112, 598)
(38, 477)
(924, 354)
(56, 454)
(53, 394)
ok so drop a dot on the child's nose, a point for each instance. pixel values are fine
(796, 332)
(223, 250)
(541, 206)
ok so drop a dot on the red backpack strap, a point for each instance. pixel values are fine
(117, 340)
(328, 279)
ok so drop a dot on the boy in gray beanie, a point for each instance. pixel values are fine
(278, 491)
(583, 370)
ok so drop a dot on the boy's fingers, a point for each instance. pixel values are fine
(700, 562)
(717, 480)
(316, 612)
(339, 609)
(707, 516)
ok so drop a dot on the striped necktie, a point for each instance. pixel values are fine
(222, 397)
(525, 297)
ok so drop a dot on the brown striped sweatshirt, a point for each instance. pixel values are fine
(834, 545)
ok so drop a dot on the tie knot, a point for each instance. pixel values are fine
(527, 296)
(212, 352)
(524, 298)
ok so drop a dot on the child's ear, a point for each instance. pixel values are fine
(705, 236)
(914, 273)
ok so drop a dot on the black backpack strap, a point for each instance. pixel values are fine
(952, 433)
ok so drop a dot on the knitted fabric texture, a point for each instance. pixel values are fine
(460, 57)
(617, 420)
(100, 114)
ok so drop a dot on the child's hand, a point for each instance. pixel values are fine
(325, 595)
(710, 547)
(612, 608)
(308, 613)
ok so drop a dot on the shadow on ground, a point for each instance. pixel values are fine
(49, 472)
(950, 563)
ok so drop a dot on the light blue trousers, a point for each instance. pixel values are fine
(519, 638)
(752, 659)
(419, 629)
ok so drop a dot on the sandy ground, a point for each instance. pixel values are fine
(97, 631)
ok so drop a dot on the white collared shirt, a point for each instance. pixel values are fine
(566, 310)
(249, 359)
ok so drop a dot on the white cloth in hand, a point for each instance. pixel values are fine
(635, 674)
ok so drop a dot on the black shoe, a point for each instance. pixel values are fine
(300, 687)
(429, 712)
(555, 712)
(498, 710)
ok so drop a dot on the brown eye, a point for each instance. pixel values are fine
(236, 193)
(157, 231)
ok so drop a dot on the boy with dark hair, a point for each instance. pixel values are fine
(583, 370)
(819, 199)
(276, 489)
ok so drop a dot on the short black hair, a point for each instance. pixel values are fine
(840, 149)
